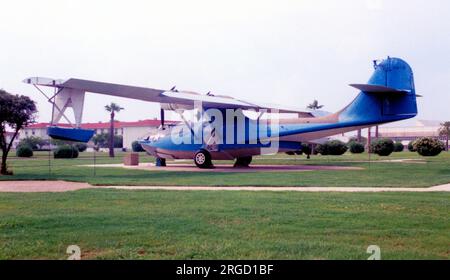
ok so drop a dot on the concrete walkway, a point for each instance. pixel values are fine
(227, 168)
(62, 186)
(440, 188)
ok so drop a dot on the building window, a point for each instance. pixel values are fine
(116, 131)
(33, 132)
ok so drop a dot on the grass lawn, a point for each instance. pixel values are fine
(376, 173)
(116, 224)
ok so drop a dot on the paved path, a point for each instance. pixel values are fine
(62, 186)
(445, 188)
(229, 167)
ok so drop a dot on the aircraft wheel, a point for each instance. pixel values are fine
(243, 161)
(203, 159)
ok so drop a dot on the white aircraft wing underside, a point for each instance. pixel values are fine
(184, 98)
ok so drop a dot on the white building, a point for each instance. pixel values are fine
(422, 128)
(130, 131)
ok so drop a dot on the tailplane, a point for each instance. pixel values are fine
(389, 95)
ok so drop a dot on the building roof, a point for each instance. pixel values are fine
(100, 125)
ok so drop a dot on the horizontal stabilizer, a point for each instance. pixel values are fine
(378, 89)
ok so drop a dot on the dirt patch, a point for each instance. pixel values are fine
(42, 186)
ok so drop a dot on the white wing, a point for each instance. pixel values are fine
(184, 98)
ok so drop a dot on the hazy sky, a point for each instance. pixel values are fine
(286, 52)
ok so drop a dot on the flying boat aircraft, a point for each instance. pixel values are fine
(222, 131)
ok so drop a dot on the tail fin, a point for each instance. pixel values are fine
(388, 96)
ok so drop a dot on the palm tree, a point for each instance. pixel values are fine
(315, 105)
(445, 131)
(112, 109)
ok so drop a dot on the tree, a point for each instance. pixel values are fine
(445, 131)
(314, 105)
(102, 140)
(112, 108)
(33, 142)
(16, 112)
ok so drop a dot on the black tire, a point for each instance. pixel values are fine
(203, 159)
(243, 161)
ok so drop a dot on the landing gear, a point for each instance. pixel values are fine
(243, 161)
(160, 162)
(203, 159)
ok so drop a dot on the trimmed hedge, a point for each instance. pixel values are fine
(136, 147)
(398, 147)
(356, 147)
(66, 151)
(24, 151)
(382, 147)
(427, 146)
(411, 147)
(333, 147)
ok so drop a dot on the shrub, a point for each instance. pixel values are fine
(411, 147)
(319, 149)
(336, 147)
(306, 149)
(398, 147)
(136, 147)
(24, 151)
(333, 147)
(66, 151)
(356, 147)
(81, 147)
(427, 146)
(382, 147)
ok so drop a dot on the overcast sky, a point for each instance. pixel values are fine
(285, 52)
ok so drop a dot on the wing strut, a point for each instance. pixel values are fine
(162, 117)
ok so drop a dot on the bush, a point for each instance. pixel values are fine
(81, 147)
(136, 147)
(306, 149)
(336, 147)
(333, 147)
(24, 151)
(411, 147)
(356, 147)
(319, 149)
(427, 146)
(398, 147)
(382, 147)
(66, 151)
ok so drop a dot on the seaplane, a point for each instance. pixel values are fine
(220, 128)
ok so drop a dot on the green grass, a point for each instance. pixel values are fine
(116, 224)
(376, 173)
